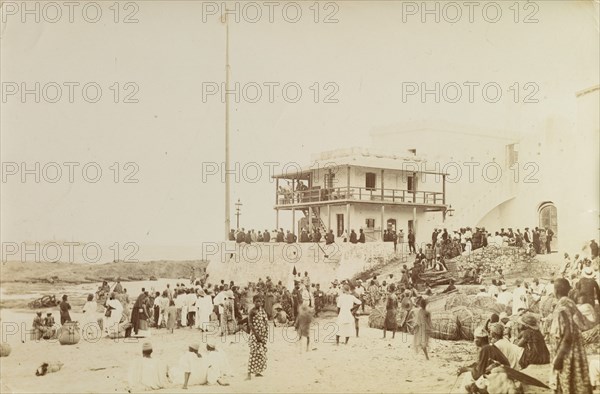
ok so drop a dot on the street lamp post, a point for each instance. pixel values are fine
(449, 211)
(238, 204)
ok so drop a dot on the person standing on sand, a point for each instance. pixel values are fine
(204, 304)
(302, 325)
(139, 312)
(259, 333)
(90, 311)
(287, 303)
(64, 310)
(171, 316)
(112, 316)
(391, 308)
(422, 328)
(345, 320)
(125, 301)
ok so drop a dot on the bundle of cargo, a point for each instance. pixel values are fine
(469, 319)
(444, 325)
(404, 319)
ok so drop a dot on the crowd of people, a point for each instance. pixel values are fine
(523, 337)
(247, 237)
(516, 339)
(448, 244)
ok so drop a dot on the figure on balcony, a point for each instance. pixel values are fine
(301, 186)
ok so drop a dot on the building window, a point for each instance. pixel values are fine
(411, 183)
(370, 223)
(413, 152)
(370, 179)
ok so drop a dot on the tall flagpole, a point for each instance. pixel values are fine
(227, 183)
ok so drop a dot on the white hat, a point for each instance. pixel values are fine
(588, 272)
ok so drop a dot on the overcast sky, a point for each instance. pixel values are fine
(172, 133)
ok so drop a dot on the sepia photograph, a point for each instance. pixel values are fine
(310, 196)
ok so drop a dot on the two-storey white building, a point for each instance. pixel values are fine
(361, 189)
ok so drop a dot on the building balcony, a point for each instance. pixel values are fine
(342, 195)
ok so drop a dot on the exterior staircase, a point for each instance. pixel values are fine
(316, 217)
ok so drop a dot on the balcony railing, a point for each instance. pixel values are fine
(354, 193)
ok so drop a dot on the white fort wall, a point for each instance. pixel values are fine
(245, 263)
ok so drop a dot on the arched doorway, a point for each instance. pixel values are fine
(548, 218)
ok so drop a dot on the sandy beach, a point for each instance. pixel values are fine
(367, 364)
